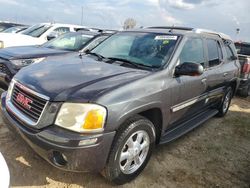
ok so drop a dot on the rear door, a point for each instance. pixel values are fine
(215, 73)
(192, 89)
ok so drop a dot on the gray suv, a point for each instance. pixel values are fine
(105, 110)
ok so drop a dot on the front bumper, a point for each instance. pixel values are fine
(62, 148)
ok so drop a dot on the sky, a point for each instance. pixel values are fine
(219, 15)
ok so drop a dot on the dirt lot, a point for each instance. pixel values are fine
(217, 154)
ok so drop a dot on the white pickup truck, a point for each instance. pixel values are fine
(37, 34)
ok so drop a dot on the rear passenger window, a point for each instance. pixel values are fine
(192, 52)
(230, 54)
(214, 52)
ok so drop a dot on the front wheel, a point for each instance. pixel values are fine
(226, 101)
(131, 150)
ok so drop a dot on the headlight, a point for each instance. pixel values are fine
(25, 62)
(1, 44)
(81, 117)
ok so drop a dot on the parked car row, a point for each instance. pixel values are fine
(101, 102)
(37, 34)
(14, 58)
(7, 25)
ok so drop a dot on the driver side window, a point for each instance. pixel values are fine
(192, 52)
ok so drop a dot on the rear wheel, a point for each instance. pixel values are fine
(131, 150)
(224, 106)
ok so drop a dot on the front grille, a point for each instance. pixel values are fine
(31, 109)
(4, 69)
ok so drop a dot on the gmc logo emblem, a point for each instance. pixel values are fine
(24, 101)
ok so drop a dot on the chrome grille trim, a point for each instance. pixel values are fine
(17, 112)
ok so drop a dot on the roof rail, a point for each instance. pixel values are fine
(103, 30)
(171, 27)
(221, 35)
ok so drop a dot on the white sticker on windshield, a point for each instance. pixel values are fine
(166, 37)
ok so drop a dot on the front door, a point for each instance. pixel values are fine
(191, 95)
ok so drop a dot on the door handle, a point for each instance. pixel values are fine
(204, 80)
(225, 74)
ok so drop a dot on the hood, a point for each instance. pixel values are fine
(27, 52)
(16, 39)
(71, 78)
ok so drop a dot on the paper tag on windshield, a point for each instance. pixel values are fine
(165, 37)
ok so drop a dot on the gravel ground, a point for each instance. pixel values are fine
(217, 154)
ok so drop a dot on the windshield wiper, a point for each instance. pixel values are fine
(100, 57)
(137, 65)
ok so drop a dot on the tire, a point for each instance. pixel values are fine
(245, 92)
(226, 101)
(128, 144)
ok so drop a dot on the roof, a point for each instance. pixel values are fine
(62, 25)
(87, 33)
(221, 35)
(183, 30)
(11, 24)
(172, 28)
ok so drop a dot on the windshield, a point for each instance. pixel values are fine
(243, 49)
(69, 41)
(147, 49)
(36, 30)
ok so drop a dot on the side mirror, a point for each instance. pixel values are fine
(86, 51)
(52, 36)
(189, 69)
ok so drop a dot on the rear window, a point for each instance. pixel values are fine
(243, 49)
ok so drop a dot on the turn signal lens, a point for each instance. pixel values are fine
(94, 120)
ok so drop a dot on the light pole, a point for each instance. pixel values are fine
(237, 33)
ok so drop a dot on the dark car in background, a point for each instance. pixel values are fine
(106, 110)
(243, 50)
(12, 59)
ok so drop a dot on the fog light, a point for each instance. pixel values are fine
(88, 142)
(59, 159)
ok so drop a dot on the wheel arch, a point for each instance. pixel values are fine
(152, 112)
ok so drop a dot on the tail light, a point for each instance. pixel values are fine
(246, 67)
